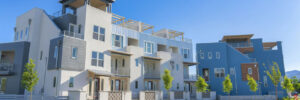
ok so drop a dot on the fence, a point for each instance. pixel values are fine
(253, 97)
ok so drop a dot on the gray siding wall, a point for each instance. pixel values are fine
(21, 49)
(63, 21)
(65, 60)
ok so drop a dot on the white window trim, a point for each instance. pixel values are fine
(217, 72)
(250, 71)
(209, 55)
(76, 52)
(188, 52)
(202, 55)
(121, 41)
(152, 47)
(218, 55)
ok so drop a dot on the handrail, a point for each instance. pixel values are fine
(72, 34)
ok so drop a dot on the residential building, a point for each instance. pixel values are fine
(239, 56)
(85, 47)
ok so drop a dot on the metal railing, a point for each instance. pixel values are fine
(241, 45)
(120, 72)
(59, 13)
(6, 68)
(190, 77)
(152, 75)
(72, 34)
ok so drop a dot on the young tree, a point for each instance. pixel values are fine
(167, 78)
(252, 83)
(201, 85)
(287, 85)
(29, 77)
(227, 85)
(296, 83)
(275, 76)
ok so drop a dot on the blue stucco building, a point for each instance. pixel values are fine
(239, 56)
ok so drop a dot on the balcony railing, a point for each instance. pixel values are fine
(120, 72)
(152, 75)
(6, 68)
(72, 34)
(190, 77)
(241, 45)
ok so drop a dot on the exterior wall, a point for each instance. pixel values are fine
(231, 58)
(21, 52)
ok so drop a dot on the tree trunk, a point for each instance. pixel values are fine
(276, 94)
(30, 95)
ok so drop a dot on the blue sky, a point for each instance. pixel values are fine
(201, 20)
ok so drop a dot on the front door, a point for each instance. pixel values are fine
(118, 85)
(96, 88)
(206, 74)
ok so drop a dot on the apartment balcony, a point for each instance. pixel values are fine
(152, 75)
(190, 77)
(120, 73)
(6, 68)
(72, 34)
(243, 47)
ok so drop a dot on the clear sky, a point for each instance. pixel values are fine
(201, 20)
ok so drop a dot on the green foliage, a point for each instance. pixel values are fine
(252, 83)
(296, 83)
(29, 77)
(287, 85)
(167, 78)
(275, 74)
(201, 84)
(227, 85)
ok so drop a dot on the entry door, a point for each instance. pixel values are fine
(118, 85)
(96, 88)
(150, 85)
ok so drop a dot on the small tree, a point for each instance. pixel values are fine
(201, 85)
(29, 77)
(227, 85)
(167, 78)
(275, 75)
(296, 83)
(252, 83)
(287, 85)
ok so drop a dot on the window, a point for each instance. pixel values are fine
(209, 55)
(101, 60)
(232, 71)
(201, 54)
(71, 82)
(218, 56)
(219, 72)
(177, 67)
(265, 81)
(90, 86)
(172, 65)
(17, 36)
(95, 33)
(112, 85)
(136, 62)
(74, 52)
(54, 82)
(79, 28)
(136, 84)
(148, 47)
(41, 55)
(117, 41)
(186, 53)
(56, 55)
(94, 58)
(26, 32)
(123, 62)
(177, 86)
(21, 35)
(102, 34)
(250, 71)
(102, 84)
(3, 84)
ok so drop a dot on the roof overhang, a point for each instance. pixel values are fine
(152, 58)
(269, 44)
(100, 73)
(190, 63)
(233, 37)
(119, 53)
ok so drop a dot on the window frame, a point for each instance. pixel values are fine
(186, 53)
(202, 55)
(71, 82)
(146, 43)
(76, 52)
(218, 72)
(121, 40)
(94, 58)
(209, 55)
(54, 81)
(102, 31)
(100, 59)
(218, 55)
(250, 71)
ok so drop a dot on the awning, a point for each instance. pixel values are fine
(190, 63)
(230, 37)
(152, 58)
(269, 44)
(119, 53)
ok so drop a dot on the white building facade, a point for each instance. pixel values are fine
(94, 50)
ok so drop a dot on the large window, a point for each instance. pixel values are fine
(71, 82)
(74, 52)
(185, 53)
(99, 35)
(219, 72)
(97, 59)
(148, 47)
(117, 40)
(56, 55)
